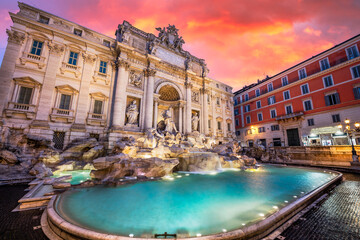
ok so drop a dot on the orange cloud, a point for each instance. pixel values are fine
(241, 40)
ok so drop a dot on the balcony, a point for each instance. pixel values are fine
(96, 119)
(58, 114)
(19, 108)
(290, 117)
(75, 69)
(32, 58)
(102, 77)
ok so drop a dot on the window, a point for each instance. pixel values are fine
(332, 99)
(237, 122)
(246, 97)
(257, 92)
(77, 32)
(352, 52)
(307, 105)
(44, 20)
(237, 133)
(324, 64)
(288, 109)
(95, 135)
(65, 101)
(248, 119)
(356, 92)
(261, 129)
(217, 85)
(275, 127)
(209, 123)
(304, 88)
(336, 118)
(247, 108)
(286, 95)
(58, 139)
(219, 125)
(73, 57)
(270, 87)
(355, 71)
(36, 48)
(24, 95)
(271, 100)
(106, 43)
(302, 73)
(235, 101)
(284, 81)
(236, 111)
(273, 113)
(229, 126)
(258, 104)
(328, 82)
(260, 117)
(98, 106)
(311, 122)
(103, 66)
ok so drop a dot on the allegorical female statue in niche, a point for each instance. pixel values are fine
(132, 113)
(195, 122)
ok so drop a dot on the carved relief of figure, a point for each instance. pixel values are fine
(195, 122)
(162, 34)
(169, 123)
(119, 33)
(135, 79)
(178, 43)
(132, 113)
(195, 96)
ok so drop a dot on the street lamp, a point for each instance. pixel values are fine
(350, 132)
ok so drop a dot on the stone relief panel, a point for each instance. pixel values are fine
(61, 25)
(139, 44)
(195, 96)
(28, 13)
(136, 79)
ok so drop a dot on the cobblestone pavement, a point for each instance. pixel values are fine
(335, 218)
(17, 225)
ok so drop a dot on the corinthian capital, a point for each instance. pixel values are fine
(122, 63)
(149, 72)
(89, 57)
(55, 48)
(188, 85)
(15, 36)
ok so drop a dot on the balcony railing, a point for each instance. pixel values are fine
(28, 57)
(22, 107)
(66, 67)
(58, 113)
(94, 118)
(291, 115)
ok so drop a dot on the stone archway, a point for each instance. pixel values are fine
(169, 99)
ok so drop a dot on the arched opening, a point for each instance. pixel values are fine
(169, 93)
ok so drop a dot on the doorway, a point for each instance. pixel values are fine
(293, 137)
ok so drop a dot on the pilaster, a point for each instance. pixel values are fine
(188, 86)
(149, 99)
(15, 40)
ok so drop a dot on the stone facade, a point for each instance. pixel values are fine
(64, 81)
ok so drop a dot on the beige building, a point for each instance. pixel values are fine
(64, 81)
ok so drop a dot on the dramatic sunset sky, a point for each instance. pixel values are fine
(241, 40)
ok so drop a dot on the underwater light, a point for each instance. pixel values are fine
(224, 230)
(131, 235)
(198, 234)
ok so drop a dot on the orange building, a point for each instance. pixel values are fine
(304, 104)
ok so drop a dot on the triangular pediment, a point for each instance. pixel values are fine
(67, 88)
(98, 95)
(27, 80)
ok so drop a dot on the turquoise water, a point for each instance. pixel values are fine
(189, 204)
(78, 176)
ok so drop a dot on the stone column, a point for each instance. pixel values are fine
(149, 73)
(180, 118)
(232, 116)
(206, 112)
(214, 115)
(120, 94)
(48, 87)
(223, 110)
(83, 100)
(155, 113)
(188, 108)
(15, 40)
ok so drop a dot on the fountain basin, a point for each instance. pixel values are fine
(78, 176)
(228, 205)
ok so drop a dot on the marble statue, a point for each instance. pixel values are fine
(169, 123)
(195, 122)
(132, 113)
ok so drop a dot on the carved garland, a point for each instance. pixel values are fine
(15, 36)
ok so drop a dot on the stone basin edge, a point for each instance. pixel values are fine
(54, 225)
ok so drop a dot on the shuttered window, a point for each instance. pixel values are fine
(98, 107)
(357, 92)
(65, 101)
(332, 99)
